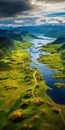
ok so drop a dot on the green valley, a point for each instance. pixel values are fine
(24, 104)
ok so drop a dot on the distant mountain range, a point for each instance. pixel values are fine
(46, 30)
(16, 34)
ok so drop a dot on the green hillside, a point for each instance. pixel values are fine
(56, 58)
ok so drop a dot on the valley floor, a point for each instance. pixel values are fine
(24, 104)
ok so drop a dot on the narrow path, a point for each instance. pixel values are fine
(34, 75)
(61, 115)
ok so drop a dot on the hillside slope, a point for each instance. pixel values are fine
(56, 58)
(17, 35)
(6, 46)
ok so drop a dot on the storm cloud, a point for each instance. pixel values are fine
(10, 8)
(31, 12)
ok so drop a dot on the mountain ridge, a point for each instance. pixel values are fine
(16, 35)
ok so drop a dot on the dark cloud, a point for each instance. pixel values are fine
(9, 8)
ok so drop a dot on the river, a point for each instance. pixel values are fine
(56, 94)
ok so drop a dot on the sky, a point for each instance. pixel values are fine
(31, 12)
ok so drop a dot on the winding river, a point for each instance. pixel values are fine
(56, 94)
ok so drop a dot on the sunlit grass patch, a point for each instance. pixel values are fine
(60, 85)
(54, 61)
(52, 48)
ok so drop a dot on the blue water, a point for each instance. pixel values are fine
(57, 94)
(58, 14)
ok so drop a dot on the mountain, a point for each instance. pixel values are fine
(48, 30)
(59, 40)
(61, 48)
(16, 35)
(6, 46)
(5, 42)
(60, 43)
(57, 46)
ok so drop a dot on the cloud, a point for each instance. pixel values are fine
(31, 12)
(9, 8)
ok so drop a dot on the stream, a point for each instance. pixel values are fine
(56, 94)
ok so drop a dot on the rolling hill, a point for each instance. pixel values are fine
(59, 40)
(6, 46)
(17, 35)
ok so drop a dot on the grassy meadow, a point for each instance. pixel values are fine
(56, 58)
